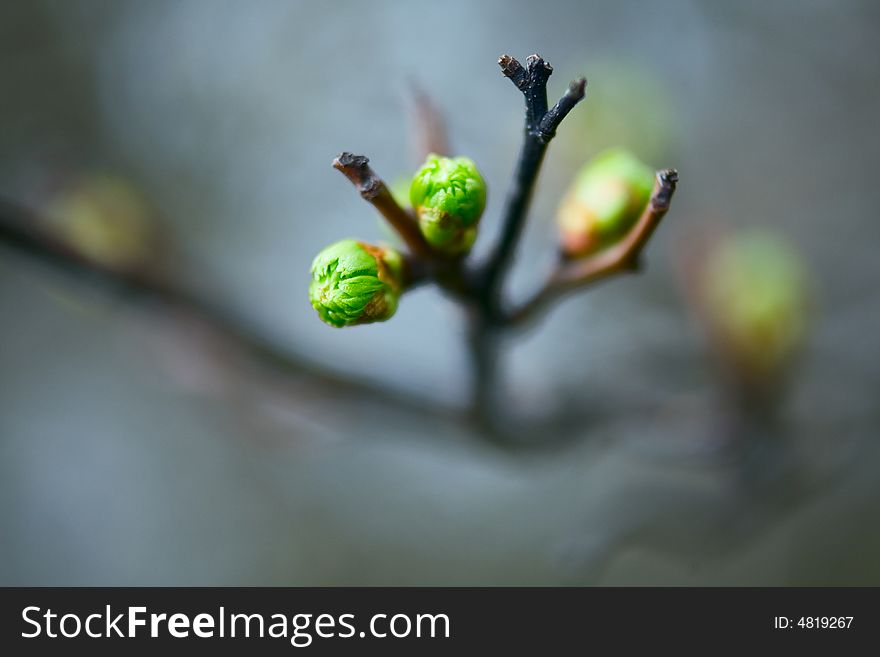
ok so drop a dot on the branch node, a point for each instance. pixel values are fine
(540, 127)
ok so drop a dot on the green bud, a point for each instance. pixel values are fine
(755, 299)
(356, 283)
(449, 196)
(605, 200)
(105, 219)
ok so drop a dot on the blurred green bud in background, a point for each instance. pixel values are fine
(356, 283)
(399, 189)
(604, 201)
(105, 219)
(754, 296)
(630, 106)
(449, 196)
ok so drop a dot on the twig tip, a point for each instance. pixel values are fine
(512, 69)
(347, 160)
(538, 66)
(668, 176)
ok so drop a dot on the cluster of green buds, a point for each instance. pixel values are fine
(754, 299)
(356, 283)
(604, 201)
(448, 195)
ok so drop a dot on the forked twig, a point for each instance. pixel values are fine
(540, 127)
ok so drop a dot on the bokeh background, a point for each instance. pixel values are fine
(136, 447)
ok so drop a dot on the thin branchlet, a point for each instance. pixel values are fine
(486, 310)
(540, 127)
(23, 231)
(554, 116)
(374, 190)
(621, 258)
(513, 70)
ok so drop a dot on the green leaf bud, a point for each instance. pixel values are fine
(604, 201)
(449, 196)
(356, 283)
(755, 299)
(106, 220)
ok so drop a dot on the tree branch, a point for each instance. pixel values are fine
(512, 69)
(540, 126)
(535, 90)
(621, 258)
(21, 231)
(373, 190)
(554, 116)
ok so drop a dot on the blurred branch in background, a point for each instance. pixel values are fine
(23, 231)
(429, 129)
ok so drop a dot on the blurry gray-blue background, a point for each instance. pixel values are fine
(131, 452)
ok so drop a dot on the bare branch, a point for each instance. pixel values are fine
(621, 258)
(540, 127)
(625, 254)
(554, 116)
(373, 190)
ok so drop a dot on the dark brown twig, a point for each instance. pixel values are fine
(486, 315)
(373, 189)
(621, 258)
(540, 126)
